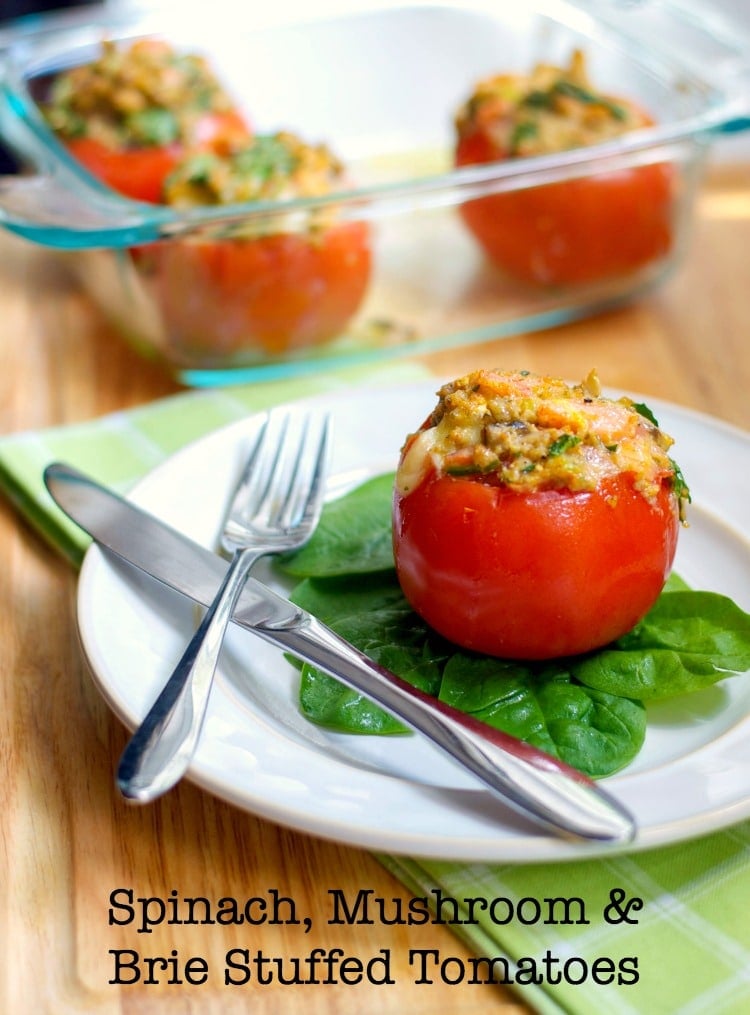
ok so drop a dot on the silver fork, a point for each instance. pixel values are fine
(275, 507)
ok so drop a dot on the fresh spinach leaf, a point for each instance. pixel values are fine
(675, 583)
(352, 537)
(687, 641)
(331, 599)
(377, 620)
(329, 703)
(595, 732)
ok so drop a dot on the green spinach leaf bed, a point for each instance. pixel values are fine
(589, 710)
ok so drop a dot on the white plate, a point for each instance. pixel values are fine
(399, 794)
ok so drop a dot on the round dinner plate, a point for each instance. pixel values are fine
(400, 794)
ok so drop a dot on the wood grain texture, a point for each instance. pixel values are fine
(68, 840)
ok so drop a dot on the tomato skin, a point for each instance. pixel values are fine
(272, 294)
(139, 173)
(532, 575)
(576, 231)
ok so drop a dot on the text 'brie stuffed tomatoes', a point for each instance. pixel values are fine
(607, 223)
(532, 519)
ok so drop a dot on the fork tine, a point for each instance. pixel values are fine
(304, 495)
(256, 477)
(285, 473)
(294, 474)
(282, 483)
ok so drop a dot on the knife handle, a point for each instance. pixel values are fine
(529, 780)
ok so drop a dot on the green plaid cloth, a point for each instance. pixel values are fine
(690, 939)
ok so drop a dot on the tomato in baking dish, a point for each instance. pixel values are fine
(532, 519)
(273, 293)
(581, 230)
(140, 172)
(134, 111)
(268, 284)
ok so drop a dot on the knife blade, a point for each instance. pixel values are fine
(557, 797)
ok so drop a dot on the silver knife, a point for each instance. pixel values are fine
(537, 785)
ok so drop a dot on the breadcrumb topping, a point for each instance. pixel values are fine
(269, 167)
(144, 93)
(530, 432)
(548, 110)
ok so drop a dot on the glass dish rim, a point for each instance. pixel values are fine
(113, 220)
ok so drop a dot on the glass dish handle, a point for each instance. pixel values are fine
(45, 208)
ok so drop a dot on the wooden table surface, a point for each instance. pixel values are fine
(68, 840)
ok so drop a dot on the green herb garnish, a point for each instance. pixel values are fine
(582, 94)
(643, 410)
(561, 444)
(538, 99)
(523, 132)
(153, 127)
(266, 157)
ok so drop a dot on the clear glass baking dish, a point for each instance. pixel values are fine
(381, 87)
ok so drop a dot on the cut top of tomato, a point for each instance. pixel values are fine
(142, 172)
(267, 167)
(132, 113)
(146, 94)
(548, 110)
(529, 432)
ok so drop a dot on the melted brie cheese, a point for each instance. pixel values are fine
(532, 433)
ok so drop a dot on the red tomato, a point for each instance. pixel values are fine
(532, 575)
(272, 293)
(136, 172)
(139, 173)
(576, 231)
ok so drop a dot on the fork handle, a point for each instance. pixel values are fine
(162, 747)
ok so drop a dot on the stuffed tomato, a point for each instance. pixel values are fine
(131, 114)
(532, 519)
(258, 285)
(582, 230)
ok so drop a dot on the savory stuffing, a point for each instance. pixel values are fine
(142, 94)
(269, 167)
(530, 432)
(548, 110)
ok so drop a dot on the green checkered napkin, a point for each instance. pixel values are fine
(691, 940)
